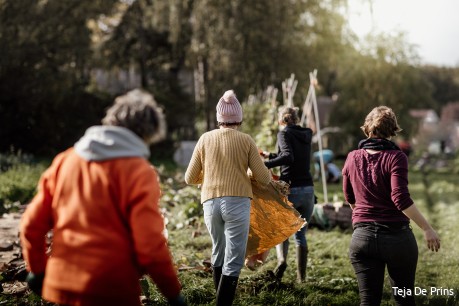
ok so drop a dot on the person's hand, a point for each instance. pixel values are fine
(432, 239)
(179, 300)
(35, 282)
(264, 154)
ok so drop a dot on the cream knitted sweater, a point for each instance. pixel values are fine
(220, 162)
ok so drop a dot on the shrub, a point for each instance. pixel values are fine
(18, 184)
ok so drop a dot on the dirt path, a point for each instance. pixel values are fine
(11, 264)
(9, 238)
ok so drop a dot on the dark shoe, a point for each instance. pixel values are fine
(282, 252)
(178, 301)
(301, 262)
(217, 274)
(35, 282)
(279, 271)
(226, 290)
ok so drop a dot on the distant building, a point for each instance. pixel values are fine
(332, 136)
(437, 134)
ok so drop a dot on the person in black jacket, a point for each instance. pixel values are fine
(294, 159)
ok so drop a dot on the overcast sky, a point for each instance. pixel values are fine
(433, 25)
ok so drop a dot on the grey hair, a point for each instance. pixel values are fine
(138, 111)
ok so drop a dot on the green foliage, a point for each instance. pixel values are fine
(177, 194)
(12, 158)
(330, 277)
(367, 82)
(260, 119)
(137, 37)
(18, 181)
(52, 47)
(445, 84)
(28, 300)
(456, 165)
(44, 69)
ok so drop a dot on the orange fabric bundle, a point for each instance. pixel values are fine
(272, 218)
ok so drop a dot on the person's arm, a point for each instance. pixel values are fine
(431, 237)
(259, 171)
(193, 174)
(147, 226)
(348, 191)
(401, 197)
(285, 156)
(268, 155)
(36, 222)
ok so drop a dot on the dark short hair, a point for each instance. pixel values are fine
(137, 111)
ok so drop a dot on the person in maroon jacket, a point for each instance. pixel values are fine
(375, 183)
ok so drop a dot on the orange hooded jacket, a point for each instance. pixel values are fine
(107, 231)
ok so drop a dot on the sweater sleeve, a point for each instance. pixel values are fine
(348, 191)
(147, 227)
(399, 182)
(259, 171)
(37, 220)
(194, 173)
(285, 155)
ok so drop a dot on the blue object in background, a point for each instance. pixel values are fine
(326, 154)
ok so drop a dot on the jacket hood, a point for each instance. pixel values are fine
(108, 142)
(300, 133)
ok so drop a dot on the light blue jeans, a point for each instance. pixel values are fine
(228, 220)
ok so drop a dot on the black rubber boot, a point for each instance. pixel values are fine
(301, 262)
(217, 274)
(226, 290)
(282, 252)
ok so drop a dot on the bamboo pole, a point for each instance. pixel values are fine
(306, 110)
(288, 90)
(313, 83)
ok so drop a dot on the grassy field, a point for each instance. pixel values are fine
(330, 278)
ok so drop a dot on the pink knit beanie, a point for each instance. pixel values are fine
(229, 109)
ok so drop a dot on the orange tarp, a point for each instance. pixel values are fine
(272, 218)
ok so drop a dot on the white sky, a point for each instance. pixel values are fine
(432, 25)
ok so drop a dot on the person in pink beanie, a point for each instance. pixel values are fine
(219, 164)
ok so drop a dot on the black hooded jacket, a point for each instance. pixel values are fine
(294, 156)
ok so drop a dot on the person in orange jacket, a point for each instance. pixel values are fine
(100, 199)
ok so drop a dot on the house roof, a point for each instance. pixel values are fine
(427, 115)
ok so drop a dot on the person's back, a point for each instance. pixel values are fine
(384, 177)
(226, 154)
(92, 205)
(220, 164)
(375, 184)
(294, 157)
(101, 199)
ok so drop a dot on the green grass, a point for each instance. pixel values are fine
(330, 277)
(18, 184)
